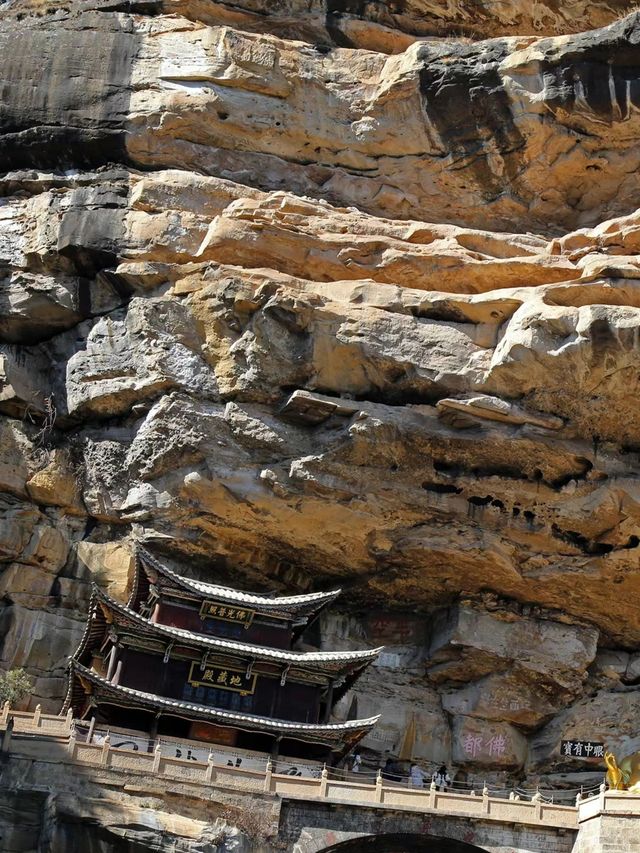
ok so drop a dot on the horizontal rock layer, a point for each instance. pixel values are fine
(523, 132)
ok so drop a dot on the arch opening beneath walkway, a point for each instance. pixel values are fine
(403, 843)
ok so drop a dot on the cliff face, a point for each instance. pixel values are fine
(330, 295)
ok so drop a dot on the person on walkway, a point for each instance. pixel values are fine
(357, 761)
(416, 777)
(441, 778)
(388, 771)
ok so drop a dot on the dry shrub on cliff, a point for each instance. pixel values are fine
(15, 685)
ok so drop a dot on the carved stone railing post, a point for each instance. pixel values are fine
(104, 755)
(485, 799)
(537, 799)
(4, 716)
(267, 777)
(432, 795)
(210, 773)
(69, 718)
(6, 737)
(323, 781)
(157, 755)
(71, 746)
(36, 716)
(379, 791)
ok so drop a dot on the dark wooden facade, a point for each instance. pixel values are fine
(207, 662)
(264, 695)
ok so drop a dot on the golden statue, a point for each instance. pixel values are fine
(624, 776)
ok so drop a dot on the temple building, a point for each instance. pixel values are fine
(209, 663)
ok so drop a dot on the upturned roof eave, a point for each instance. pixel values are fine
(318, 732)
(343, 661)
(296, 605)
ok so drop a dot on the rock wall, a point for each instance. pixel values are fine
(52, 807)
(336, 294)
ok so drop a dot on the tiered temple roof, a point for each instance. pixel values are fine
(202, 659)
(108, 616)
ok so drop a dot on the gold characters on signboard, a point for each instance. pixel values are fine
(222, 678)
(215, 610)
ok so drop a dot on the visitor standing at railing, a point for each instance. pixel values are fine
(388, 771)
(416, 777)
(441, 779)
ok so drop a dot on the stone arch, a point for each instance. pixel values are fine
(403, 842)
(321, 827)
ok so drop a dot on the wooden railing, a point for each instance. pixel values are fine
(103, 756)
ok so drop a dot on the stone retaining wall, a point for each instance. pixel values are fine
(40, 751)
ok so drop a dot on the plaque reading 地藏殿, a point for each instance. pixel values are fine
(222, 678)
(215, 610)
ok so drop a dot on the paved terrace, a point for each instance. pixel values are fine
(25, 734)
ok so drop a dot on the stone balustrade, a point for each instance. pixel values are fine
(345, 791)
(609, 803)
(35, 722)
(30, 727)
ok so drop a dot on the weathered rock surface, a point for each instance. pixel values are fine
(387, 28)
(525, 132)
(73, 823)
(320, 294)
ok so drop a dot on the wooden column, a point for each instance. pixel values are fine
(328, 707)
(275, 749)
(117, 674)
(112, 662)
(153, 731)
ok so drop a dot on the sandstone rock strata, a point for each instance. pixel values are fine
(302, 298)
(530, 132)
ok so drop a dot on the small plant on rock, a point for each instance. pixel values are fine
(255, 824)
(15, 685)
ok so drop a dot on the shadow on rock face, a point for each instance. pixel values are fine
(65, 93)
(470, 108)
